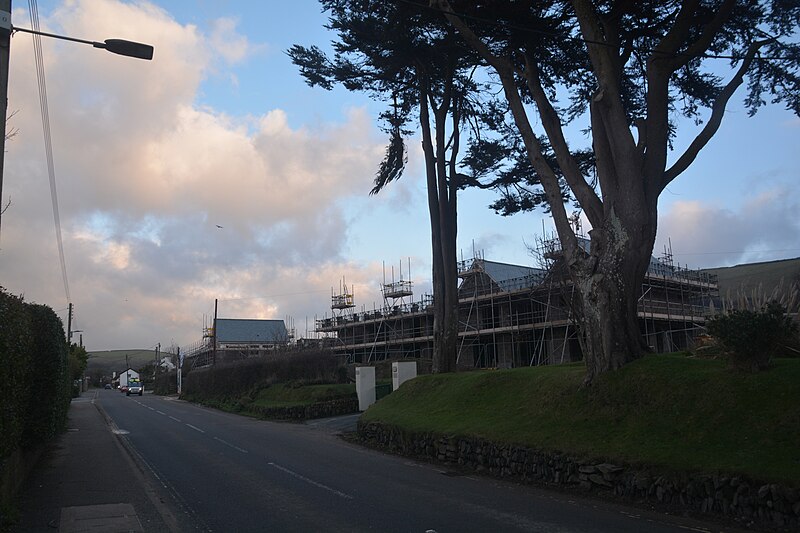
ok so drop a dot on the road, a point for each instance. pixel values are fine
(217, 471)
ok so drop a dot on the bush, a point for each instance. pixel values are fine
(752, 338)
(15, 349)
(233, 380)
(49, 378)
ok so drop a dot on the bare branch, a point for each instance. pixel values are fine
(569, 167)
(547, 176)
(714, 122)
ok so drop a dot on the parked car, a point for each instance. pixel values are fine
(108, 386)
(135, 388)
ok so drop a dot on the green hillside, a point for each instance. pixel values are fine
(108, 361)
(751, 276)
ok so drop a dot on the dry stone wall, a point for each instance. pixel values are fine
(730, 496)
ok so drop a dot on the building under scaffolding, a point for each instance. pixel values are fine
(512, 315)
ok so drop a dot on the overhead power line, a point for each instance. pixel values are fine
(48, 142)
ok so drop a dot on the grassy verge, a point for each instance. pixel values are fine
(665, 411)
(287, 395)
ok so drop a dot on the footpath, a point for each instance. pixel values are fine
(87, 482)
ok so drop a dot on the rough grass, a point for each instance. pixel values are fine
(287, 395)
(667, 411)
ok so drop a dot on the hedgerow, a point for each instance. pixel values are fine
(34, 380)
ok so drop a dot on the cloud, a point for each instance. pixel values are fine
(145, 176)
(232, 46)
(765, 228)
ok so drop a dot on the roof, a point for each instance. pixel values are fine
(250, 330)
(509, 276)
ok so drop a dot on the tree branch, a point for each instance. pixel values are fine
(608, 98)
(569, 167)
(717, 112)
(671, 43)
(547, 177)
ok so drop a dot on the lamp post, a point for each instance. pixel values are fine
(115, 46)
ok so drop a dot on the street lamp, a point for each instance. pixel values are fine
(115, 46)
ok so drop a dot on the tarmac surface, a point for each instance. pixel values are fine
(86, 481)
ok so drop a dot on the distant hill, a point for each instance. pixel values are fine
(757, 276)
(108, 361)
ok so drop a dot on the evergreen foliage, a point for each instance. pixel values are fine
(752, 338)
(34, 377)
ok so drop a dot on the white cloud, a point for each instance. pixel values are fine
(145, 176)
(233, 47)
(703, 234)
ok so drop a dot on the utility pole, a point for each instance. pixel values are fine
(69, 323)
(180, 371)
(5, 48)
(214, 336)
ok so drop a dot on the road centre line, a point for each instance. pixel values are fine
(175, 419)
(161, 412)
(311, 481)
(195, 428)
(231, 445)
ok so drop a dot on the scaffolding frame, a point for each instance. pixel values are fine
(521, 321)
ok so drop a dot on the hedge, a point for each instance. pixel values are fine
(34, 384)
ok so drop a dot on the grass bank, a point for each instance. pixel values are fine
(278, 395)
(288, 395)
(669, 412)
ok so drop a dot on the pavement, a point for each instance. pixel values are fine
(87, 481)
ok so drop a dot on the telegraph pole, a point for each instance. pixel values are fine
(5, 48)
(180, 371)
(69, 324)
(214, 336)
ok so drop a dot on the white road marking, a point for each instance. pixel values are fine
(231, 445)
(161, 412)
(195, 428)
(311, 481)
(175, 419)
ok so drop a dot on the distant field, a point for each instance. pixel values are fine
(750, 276)
(114, 360)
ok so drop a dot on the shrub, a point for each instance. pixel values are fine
(15, 349)
(232, 380)
(49, 379)
(752, 338)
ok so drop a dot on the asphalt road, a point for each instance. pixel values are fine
(221, 472)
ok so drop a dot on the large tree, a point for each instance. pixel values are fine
(633, 69)
(410, 58)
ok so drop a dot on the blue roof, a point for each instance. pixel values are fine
(253, 331)
(509, 277)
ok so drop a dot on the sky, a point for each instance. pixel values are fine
(214, 172)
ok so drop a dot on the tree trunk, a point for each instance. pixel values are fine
(442, 212)
(608, 286)
(448, 348)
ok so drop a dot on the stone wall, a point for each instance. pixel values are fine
(729, 496)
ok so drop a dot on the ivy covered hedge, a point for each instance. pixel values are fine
(35, 383)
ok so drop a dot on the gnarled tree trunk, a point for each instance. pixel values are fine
(607, 296)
